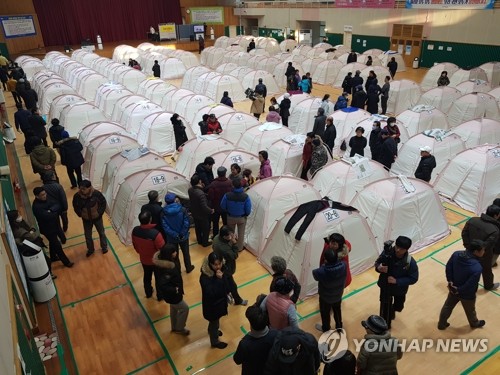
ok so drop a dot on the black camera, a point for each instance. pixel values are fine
(388, 245)
(250, 94)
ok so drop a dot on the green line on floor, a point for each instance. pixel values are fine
(72, 304)
(214, 363)
(440, 249)
(131, 265)
(437, 260)
(145, 366)
(83, 234)
(461, 222)
(243, 330)
(155, 332)
(480, 362)
(458, 213)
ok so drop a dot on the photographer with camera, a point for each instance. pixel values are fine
(398, 270)
(257, 102)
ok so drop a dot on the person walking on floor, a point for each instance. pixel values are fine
(156, 69)
(175, 222)
(388, 150)
(347, 83)
(285, 109)
(375, 141)
(89, 204)
(179, 131)
(37, 124)
(384, 94)
(214, 289)
(170, 287)
(278, 265)
(463, 271)
(331, 278)
(319, 123)
(225, 245)
(200, 210)
(56, 193)
(392, 66)
(306, 155)
(11, 86)
(70, 150)
(257, 107)
(261, 89)
(147, 241)
(48, 222)
(55, 132)
(485, 228)
(43, 158)
(238, 206)
(21, 118)
(216, 190)
(330, 134)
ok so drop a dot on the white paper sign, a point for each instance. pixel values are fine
(331, 215)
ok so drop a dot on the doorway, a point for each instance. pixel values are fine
(407, 41)
(347, 39)
(317, 28)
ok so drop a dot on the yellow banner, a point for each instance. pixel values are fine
(167, 28)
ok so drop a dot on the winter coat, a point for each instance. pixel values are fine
(341, 103)
(290, 276)
(89, 208)
(370, 81)
(21, 119)
(203, 127)
(394, 130)
(356, 81)
(179, 133)
(265, 170)
(404, 270)
(384, 91)
(329, 136)
(372, 102)
(343, 255)
(55, 134)
(257, 105)
(175, 222)
(388, 152)
(375, 143)
(227, 101)
(352, 57)
(147, 241)
(30, 98)
(47, 216)
(206, 175)
(305, 85)
(199, 203)
(484, 228)
(377, 362)
(273, 116)
(319, 125)
(70, 150)
(213, 293)
(425, 167)
(23, 231)
(359, 99)
(319, 158)
(290, 71)
(37, 124)
(155, 209)
(253, 350)
(156, 70)
(216, 191)
(347, 84)
(307, 151)
(464, 271)
(170, 285)
(228, 251)
(357, 145)
(331, 281)
(236, 203)
(393, 67)
(285, 107)
(307, 361)
(42, 156)
(277, 306)
(261, 89)
(56, 193)
(443, 81)
(214, 127)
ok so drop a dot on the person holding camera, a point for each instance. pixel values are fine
(398, 270)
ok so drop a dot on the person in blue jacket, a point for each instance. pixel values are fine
(463, 271)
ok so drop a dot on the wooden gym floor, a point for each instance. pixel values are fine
(113, 329)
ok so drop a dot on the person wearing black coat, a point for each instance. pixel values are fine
(55, 193)
(30, 98)
(353, 57)
(226, 99)
(37, 124)
(388, 150)
(156, 69)
(319, 123)
(358, 143)
(356, 81)
(375, 141)
(48, 222)
(426, 165)
(30, 141)
(330, 134)
(55, 132)
(179, 131)
(21, 118)
(285, 109)
(205, 172)
(392, 66)
(214, 289)
(372, 100)
(171, 287)
(20, 86)
(155, 208)
(70, 149)
(359, 98)
(371, 80)
(347, 83)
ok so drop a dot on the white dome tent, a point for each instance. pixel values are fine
(252, 79)
(492, 70)
(471, 178)
(431, 77)
(191, 76)
(346, 120)
(380, 71)
(107, 95)
(218, 110)
(134, 114)
(52, 91)
(234, 124)
(440, 97)
(393, 208)
(302, 115)
(201, 84)
(96, 129)
(62, 101)
(31, 67)
(303, 256)
(479, 131)
(76, 116)
(374, 52)
(122, 103)
(217, 85)
(423, 117)
(386, 57)
(133, 194)
(340, 180)
(119, 167)
(131, 79)
(309, 65)
(286, 155)
(99, 151)
(241, 157)
(260, 137)
(496, 94)
(188, 58)
(316, 51)
(404, 94)
(212, 57)
(226, 68)
(351, 67)
(473, 85)
(172, 97)
(190, 105)
(285, 193)
(241, 71)
(472, 106)
(157, 133)
(326, 72)
(288, 45)
(88, 85)
(197, 149)
(364, 58)
(442, 148)
(462, 75)
(279, 72)
(146, 84)
(171, 68)
(267, 64)
(158, 91)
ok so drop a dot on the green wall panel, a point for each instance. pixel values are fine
(273, 33)
(461, 54)
(380, 42)
(335, 39)
(4, 50)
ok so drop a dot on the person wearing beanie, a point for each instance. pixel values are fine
(175, 223)
(154, 207)
(70, 150)
(382, 361)
(226, 99)
(55, 132)
(279, 307)
(216, 191)
(285, 109)
(398, 270)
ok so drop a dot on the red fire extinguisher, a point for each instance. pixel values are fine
(16, 185)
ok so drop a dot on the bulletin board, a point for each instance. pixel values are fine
(167, 31)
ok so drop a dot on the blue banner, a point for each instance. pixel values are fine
(18, 26)
(450, 4)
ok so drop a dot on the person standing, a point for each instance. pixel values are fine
(261, 89)
(352, 57)
(55, 132)
(257, 107)
(265, 170)
(331, 278)
(204, 171)
(43, 158)
(154, 207)
(147, 241)
(56, 194)
(380, 352)
(388, 150)
(30, 98)
(398, 270)
(170, 287)
(358, 142)
(330, 134)
(278, 265)
(48, 222)
(156, 69)
(319, 123)
(347, 83)
(225, 245)
(214, 290)
(304, 85)
(342, 248)
(175, 223)
(238, 206)
(443, 79)
(37, 124)
(200, 210)
(273, 115)
(201, 44)
(426, 165)
(21, 118)
(253, 349)
(285, 109)
(306, 155)
(280, 308)
(11, 86)
(325, 104)
(226, 99)
(70, 150)
(463, 271)
(371, 80)
(216, 191)
(179, 131)
(356, 81)
(203, 124)
(384, 94)
(369, 61)
(485, 228)
(375, 140)
(393, 129)
(359, 97)
(319, 156)
(392, 66)
(342, 101)
(89, 204)
(372, 99)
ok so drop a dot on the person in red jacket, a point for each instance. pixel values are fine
(147, 240)
(342, 248)
(306, 155)
(214, 126)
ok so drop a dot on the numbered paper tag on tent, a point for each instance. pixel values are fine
(238, 159)
(158, 179)
(330, 215)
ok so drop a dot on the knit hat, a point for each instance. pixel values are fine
(283, 285)
(376, 324)
(170, 198)
(64, 134)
